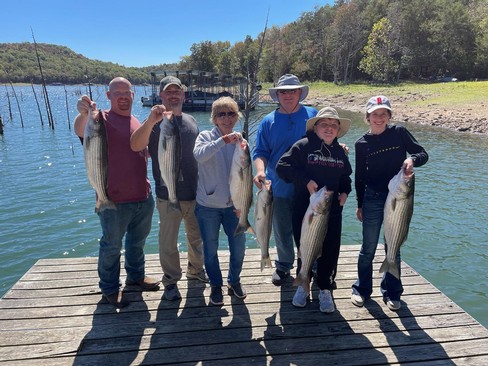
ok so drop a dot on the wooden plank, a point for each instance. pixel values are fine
(54, 316)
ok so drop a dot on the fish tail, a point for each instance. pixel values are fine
(265, 263)
(391, 268)
(104, 205)
(242, 228)
(302, 280)
(175, 205)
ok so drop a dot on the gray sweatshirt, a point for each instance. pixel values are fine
(214, 160)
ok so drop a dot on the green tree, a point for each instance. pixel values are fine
(379, 53)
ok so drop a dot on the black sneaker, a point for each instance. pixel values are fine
(236, 290)
(279, 277)
(216, 295)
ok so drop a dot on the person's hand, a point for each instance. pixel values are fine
(86, 105)
(312, 187)
(158, 112)
(345, 147)
(359, 214)
(408, 166)
(232, 138)
(259, 179)
(342, 199)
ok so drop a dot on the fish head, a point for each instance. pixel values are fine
(402, 185)
(321, 200)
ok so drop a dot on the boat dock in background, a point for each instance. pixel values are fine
(54, 315)
(203, 88)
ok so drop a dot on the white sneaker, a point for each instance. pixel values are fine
(357, 300)
(300, 297)
(326, 301)
(393, 305)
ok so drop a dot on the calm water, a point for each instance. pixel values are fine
(47, 204)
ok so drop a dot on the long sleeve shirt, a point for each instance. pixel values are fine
(380, 157)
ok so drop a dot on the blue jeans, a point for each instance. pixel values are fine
(209, 221)
(283, 233)
(391, 287)
(134, 221)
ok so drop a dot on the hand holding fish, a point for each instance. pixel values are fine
(232, 138)
(408, 166)
(158, 112)
(312, 186)
(85, 105)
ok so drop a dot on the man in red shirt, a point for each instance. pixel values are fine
(127, 187)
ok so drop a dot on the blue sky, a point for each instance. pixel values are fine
(142, 33)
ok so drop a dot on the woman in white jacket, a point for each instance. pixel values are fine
(214, 150)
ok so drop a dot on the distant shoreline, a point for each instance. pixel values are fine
(457, 106)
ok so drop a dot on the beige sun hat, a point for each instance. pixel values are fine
(329, 112)
(288, 81)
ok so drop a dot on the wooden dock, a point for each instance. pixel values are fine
(54, 315)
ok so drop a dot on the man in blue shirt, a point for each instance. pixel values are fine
(276, 133)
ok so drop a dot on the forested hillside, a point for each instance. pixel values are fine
(354, 40)
(18, 63)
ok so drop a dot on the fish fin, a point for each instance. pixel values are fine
(175, 205)
(242, 228)
(303, 281)
(265, 263)
(105, 205)
(392, 268)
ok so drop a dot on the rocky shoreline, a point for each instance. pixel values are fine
(469, 118)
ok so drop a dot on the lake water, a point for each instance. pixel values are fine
(47, 204)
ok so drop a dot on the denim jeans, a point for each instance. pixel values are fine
(134, 221)
(209, 221)
(283, 233)
(391, 287)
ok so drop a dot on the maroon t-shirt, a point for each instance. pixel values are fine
(127, 170)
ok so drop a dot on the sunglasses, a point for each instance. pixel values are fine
(228, 114)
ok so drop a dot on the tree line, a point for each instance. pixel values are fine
(368, 40)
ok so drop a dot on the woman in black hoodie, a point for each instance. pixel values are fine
(313, 162)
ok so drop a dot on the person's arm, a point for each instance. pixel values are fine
(140, 137)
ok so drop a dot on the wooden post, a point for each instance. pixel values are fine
(37, 102)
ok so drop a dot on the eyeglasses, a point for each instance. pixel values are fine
(288, 91)
(228, 114)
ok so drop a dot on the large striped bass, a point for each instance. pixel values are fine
(263, 214)
(398, 212)
(169, 156)
(314, 229)
(241, 185)
(96, 158)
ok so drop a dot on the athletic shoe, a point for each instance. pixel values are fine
(200, 276)
(393, 305)
(171, 292)
(236, 290)
(326, 301)
(300, 297)
(279, 277)
(357, 300)
(216, 296)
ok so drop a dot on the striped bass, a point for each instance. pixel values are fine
(95, 151)
(263, 214)
(314, 229)
(241, 185)
(398, 212)
(169, 156)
